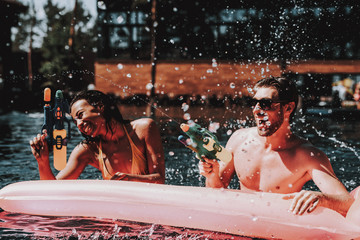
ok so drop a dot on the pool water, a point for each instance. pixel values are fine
(338, 139)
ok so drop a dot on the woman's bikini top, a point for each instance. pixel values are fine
(138, 161)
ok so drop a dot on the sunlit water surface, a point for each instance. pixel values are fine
(338, 139)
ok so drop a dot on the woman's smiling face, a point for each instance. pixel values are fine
(87, 118)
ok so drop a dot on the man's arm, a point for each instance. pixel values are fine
(333, 193)
(219, 175)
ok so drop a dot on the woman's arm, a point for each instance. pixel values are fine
(148, 132)
(79, 158)
(154, 153)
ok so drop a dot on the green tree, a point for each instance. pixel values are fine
(27, 29)
(63, 62)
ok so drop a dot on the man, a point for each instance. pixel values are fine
(271, 158)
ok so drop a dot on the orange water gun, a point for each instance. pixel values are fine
(54, 124)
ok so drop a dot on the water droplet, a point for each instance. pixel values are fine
(214, 63)
(229, 132)
(181, 81)
(101, 5)
(187, 116)
(149, 86)
(171, 153)
(232, 85)
(120, 66)
(213, 127)
(120, 19)
(91, 86)
(128, 75)
(185, 107)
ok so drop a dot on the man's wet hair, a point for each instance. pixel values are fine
(99, 100)
(285, 87)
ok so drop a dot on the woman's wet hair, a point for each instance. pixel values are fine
(102, 101)
(286, 89)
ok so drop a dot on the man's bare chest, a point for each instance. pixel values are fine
(266, 170)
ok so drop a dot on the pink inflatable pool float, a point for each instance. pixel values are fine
(254, 214)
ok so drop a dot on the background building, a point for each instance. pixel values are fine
(221, 47)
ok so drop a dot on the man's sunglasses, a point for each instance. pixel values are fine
(265, 104)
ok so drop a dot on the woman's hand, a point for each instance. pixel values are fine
(39, 147)
(119, 176)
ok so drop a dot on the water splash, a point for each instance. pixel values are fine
(342, 144)
(126, 89)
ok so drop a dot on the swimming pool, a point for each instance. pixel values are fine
(338, 139)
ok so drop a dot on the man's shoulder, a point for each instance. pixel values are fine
(308, 151)
(241, 135)
(244, 132)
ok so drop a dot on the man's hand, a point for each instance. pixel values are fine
(306, 201)
(209, 167)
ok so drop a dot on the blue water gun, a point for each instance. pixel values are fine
(203, 143)
(54, 124)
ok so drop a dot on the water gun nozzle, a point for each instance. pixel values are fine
(184, 127)
(47, 95)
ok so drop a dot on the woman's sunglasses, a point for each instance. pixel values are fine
(265, 104)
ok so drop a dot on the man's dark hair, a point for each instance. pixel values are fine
(286, 89)
(99, 99)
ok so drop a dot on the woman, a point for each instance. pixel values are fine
(357, 95)
(120, 149)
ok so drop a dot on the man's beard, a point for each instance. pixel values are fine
(270, 129)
